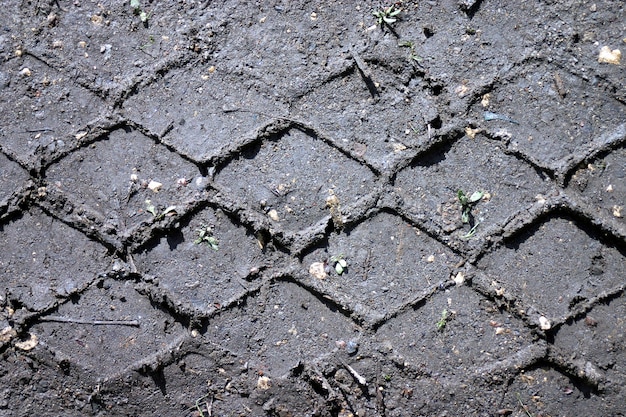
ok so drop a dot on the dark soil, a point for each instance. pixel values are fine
(227, 208)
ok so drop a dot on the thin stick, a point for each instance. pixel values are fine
(523, 406)
(355, 374)
(58, 319)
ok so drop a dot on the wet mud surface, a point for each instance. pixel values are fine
(288, 208)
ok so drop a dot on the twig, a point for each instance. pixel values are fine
(58, 319)
(43, 129)
(523, 406)
(355, 374)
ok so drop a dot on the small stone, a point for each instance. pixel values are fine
(608, 56)
(273, 214)
(7, 334)
(544, 323)
(155, 186)
(617, 211)
(263, 383)
(459, 279)
(485, 100)
(471, 133)
(500, 330)
(195, 333)
(318, 270)
(352, 347)
(430, 259)
(26, 72)
(52, 19)
(201, 183)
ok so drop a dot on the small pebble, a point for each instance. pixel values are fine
(273, 214)
(263, 383)
(544, 323)
(155, 186)
(352, 347)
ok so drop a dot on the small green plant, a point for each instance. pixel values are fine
(202, 401)
(412, 54)
(339, 263)
(467, 203)
(205, 235)
(136, 5)
(150, 208)
(388, 15)
(471, 232)
(443, 320)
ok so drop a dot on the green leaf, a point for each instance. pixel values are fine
(338, 268)
(441, 324)
(143, 16)
(150, 208)
(395, 13)
(389, 19)
(476, 196)
(462, 198)
(135, 4)
(212, 242)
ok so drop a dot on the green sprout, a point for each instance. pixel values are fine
(387, 16)
(339, 263)
(205, 235)
(443, 320)
(467, 203)
(150, 208)
(471, 232)
(143, 16)
(412, 54)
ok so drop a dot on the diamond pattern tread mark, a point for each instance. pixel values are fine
(376, 285)
(203, 110)
(196, 276)
(108, 301)
(45, 97)
(294, 174)
(580, 266)
(31, 276)
(429, 185)
(267, 349)
(97, 185)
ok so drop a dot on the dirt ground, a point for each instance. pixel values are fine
(312, 208)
